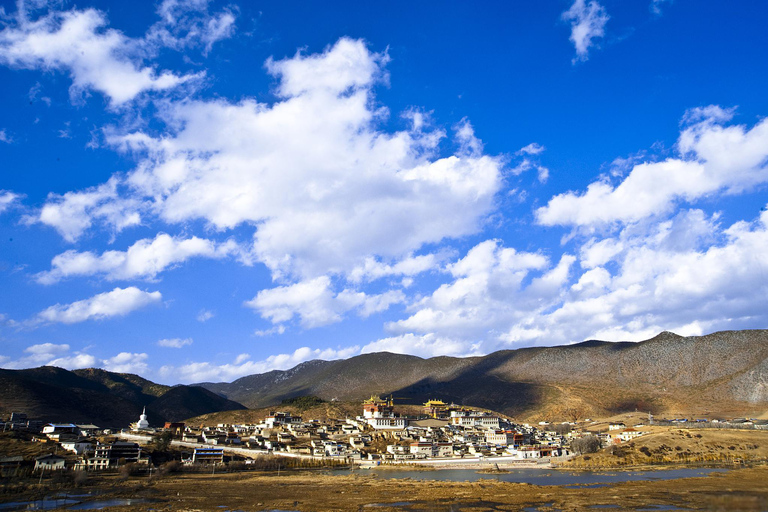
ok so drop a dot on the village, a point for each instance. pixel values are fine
(442, 434)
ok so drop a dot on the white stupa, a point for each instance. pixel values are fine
(142, 424)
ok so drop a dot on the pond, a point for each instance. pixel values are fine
(542, 476)
(68, 503)
(44, 504)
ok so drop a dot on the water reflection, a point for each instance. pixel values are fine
(542, 476)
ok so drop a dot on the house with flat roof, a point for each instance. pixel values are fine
(49, 462)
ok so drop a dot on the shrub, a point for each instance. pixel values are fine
(303, 402)
(130, 469)
(172, 466)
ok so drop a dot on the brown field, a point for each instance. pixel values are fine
(740, 489)
(679, 446)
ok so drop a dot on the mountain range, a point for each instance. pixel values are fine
(724, 373)
(104, 398)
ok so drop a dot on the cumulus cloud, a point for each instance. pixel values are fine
(143, 260)
(587, 24)
(118, 302)
(78, 42)
(373, 269)
(49, 354)
(74, 362)
(324, 185)
(315, 303)
(73, 213)
(713, 158)
(126, 362)
(493, 287)
(685, 274)
(7, 199)
(425, 345)
(243, 365)
(4, 137)
(174, 342)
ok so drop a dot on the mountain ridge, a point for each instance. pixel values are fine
(719, 373)
(725, 370)
(108, 399)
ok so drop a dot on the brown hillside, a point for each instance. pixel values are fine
(724, 372)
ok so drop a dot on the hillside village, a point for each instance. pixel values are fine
(442, 434)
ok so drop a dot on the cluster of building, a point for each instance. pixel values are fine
(442, 431)
(381, 434)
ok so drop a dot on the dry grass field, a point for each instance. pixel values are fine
(674, 445)
(737, 490)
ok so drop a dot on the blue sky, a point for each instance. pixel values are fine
(204, 190)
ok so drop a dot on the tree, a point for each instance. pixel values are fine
(588, 444)
(163, 441)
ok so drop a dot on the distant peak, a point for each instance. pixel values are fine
(666, 335)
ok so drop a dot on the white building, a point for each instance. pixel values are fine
(281, 418)
(393, 423)
(474, 419)
(143, 424)
(78, 447)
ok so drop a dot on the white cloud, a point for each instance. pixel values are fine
(713, 158)
(74, 212)
(530, 161)
(315, 303)
(426, 345)
(126, 362)
(7, 199)
(278, 329)
(324, 185)
(118, 302)
(493, 287)
(533, 148)
(49, 354)
(96, 58)
(542, 174)
(685, 274)
(4, 137)
(587, 23)
(655, 6)
(74, 362)
(242, 365)
(204, 315)
(186, 24)
(347, 66)
(143, 260)
(43, 352)
(373, 269)
(670, 276)
(174, 342)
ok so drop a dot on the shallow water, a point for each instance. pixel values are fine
(44, 504)
(98, 505)
(542, 476)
